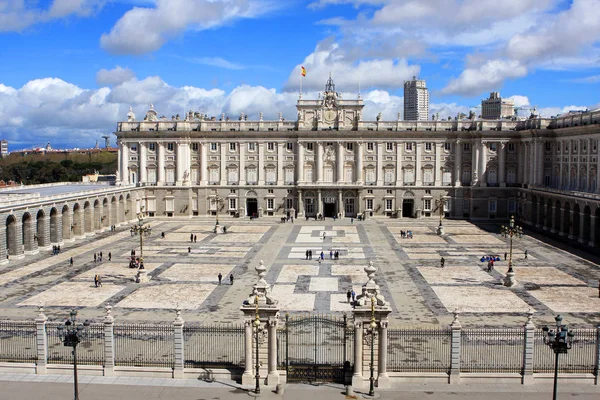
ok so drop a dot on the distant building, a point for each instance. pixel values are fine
(496, 107)
(3, 148)
(416, 100)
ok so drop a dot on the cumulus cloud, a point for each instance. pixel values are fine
(114, 76)
(329, 58)
(145, 29)
(17, 15)
(488, 76)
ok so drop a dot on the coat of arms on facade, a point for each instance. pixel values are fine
(329, 154)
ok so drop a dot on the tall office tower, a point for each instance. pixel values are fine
(416, 100)
(496, 108)
(3, 148)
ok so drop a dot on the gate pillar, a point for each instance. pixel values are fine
(370, 322)
(260, 317)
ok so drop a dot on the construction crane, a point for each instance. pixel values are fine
(106, 140)
(525, 108)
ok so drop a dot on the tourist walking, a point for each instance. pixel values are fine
(192, 238)
(231, 279)
(220, 276)
(96, 280)
(353, 296)
(526, 254)
(442, 262)
(504, 256)
(71, 261)
(307, 254)
(189, 250)
(95, 257)
(348, 295)
(331, 254)
(195, 238)
(109, 256)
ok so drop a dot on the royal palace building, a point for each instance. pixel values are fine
(330, 161)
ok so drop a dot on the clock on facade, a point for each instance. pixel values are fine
(330, 115)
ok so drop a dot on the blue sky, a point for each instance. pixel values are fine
(71, 68)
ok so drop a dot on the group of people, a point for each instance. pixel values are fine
(333, 255)
(193, 238)
(406, 234)
(97, 280)
(350, 294)
(220, 277)
(55, 249)
(98, 257)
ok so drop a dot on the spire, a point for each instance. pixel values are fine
(330, 86)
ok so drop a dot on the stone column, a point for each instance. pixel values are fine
(521, 175)
(242, 177)
(534, 162)
(561, 227)
(261, 163)
(300, 164)
(593, 233)
(502, 164)
(30, 246)
(483, 164)
(475, 175)
(457, 162)
(540, 163)
(186, 162)
(455, 328)
(319, 202)
(572, 225)
(300, 204)
(179, 347)
(109, 343)
(581, 227)
(58, 228)
(418, 163)
(15, 245)
(125, 163)
(561, 164)
(383, 379)
(3, 249)
(554, 222)
(143, 172)
(273, 373)
(598, 177)
(319, 162)
(529, 329)
(41, 342)
(161, 164)
(357, 377)
(179, 164)
(340, 162)
(379, 164)
(399, 149)
(341, 210)
(359, 163)
(203, 164)
(439, 147)
(280, 150)
(223, 164)
(248, 373)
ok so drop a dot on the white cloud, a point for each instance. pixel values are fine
(519, 100)
(329, 58)
(216, 62)
(587, 79)
(488, 76)
(114, 76)
(17, 15)
(145, 29)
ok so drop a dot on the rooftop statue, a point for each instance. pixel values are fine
(130, 115)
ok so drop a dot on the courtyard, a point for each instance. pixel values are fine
(421, 294)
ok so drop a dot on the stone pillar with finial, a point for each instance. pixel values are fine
(261, 306)
(179, 345)
(41, 341)
(370, 307)
(529, 330)
(109, 342)
(455, 332)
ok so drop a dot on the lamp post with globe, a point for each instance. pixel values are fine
(510, 231)
(71, 334)
(560, 340)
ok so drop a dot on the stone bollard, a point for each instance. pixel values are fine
(349, 390)
(280, 388)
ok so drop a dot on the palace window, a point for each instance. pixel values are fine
(511, 147)
(232, 146)
(370, 146)
(369, 204)
(270, 146)
(271, 177)
(251, 146)
(389, 146)
(492, 206)
(549, 146)
(232, 191)
(270, 203)
(512, 206)
(389, 204)
(195, 147)
(170, 146)
(134, 147)
(511, 176)
(447, 146)
(467, 147)
(369, 191)
(151, 175)
(213, 175)
(370, 175)
(428, 175)
(270, 191)
(348, 174)
(251, 175)
(232, 204)
(493, 147)
(349, 146)
(308, 174)
(213, 147)
(388, 176)
(290, 146)
(409, 176)
(309, 146)
(289, 175)
(446, 177)
(232, 176)
(427, 204)
(428, 146)
(152, 146)
(328, 173)
(408, 146)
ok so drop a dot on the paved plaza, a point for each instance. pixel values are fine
(421, 293)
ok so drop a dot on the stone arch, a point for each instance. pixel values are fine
(113, 211)
(575, 222)
(251, 194)
(67, 232)
(121, 208)
(14, 241)
(54, 226)
(28, 234)
(97, 215)
(42, 229)
(585, 232)
(88, 216)
(78, 227)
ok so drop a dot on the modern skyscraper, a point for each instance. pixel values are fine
(497, 108)
(416, 100)
(3, 148)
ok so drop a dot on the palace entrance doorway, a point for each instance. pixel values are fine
(330, 208)
(252, 207)
(408, 206)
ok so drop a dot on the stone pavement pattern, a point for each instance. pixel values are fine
(421, 293)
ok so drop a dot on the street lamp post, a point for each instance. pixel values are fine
(257, 366)
(441, 204)
(560, 340)
(510, 231)
(71, 335)
(372, 325)
(140, 229)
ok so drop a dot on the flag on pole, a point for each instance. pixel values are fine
(303, 71)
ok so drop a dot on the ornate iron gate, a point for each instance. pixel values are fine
(318, 349)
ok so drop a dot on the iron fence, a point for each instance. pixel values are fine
(580, 359)
(419, 350)
(89, 352)
(492, 350)
(219, 346)
(18, 341)
(142, 345)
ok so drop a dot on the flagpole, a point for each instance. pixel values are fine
(301, 79)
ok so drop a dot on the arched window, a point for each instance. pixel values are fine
(308, 173)
(370, 175)
(251, 175)
(409, 176)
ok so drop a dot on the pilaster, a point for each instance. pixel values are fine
(261, 163)
(340, 162)
(161, 164)
(109, 343)
(143, 171)
(300, 165)
(179, 345)
(458, 145)
(280, 150)
(399, 150)
(455, 329)
(502, 164)
(319, 162)
(359, 163)
(242, 169)
(418, 163)
(529, 329)
(223, 164)
(41, 342)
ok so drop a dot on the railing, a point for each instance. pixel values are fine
(138, 345)
(17, 341)
(580, 359)
(418, 350)
(89, 352)
(218, 346)
(492, 350)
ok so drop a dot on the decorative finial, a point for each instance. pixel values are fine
(370, 270)
(455, 320)
(530, 313)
